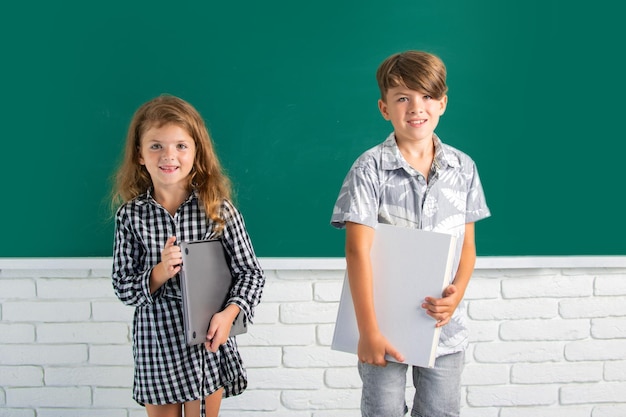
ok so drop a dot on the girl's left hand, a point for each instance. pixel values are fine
(219, 328)
(441, 309)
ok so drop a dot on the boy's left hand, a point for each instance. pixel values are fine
(441, 309)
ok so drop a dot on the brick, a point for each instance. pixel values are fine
(513, 309)
(311, 275)
(21, 376)
(481, 289)
(46, 311)
(479, 412)
(17, 333)
(482, 331)
(513, 352)
(23, 289)
(612, 284)
(261, 357)
(615, 371)
(556, 373)
(266, 313)
(482, 374)
(343, 377)
(111, 311)
(322, 399)
(40, 354)
(77, 412)
(596, 350)
(327, 291)
(120, 397)
(593, 393)
(324, 334)
(302, 313)
(315, 357)
(531, 330)
(111, 354)
(555, 411)
(101, 376)
(16, 412)
(91, 332)
(254, 400)
(277, 413)
(542, 287)
(286, 379)
(287, 335)
(287, 291)
(609, 328)
(87, 288)
(512, 396)
(71, 397)
(618, 410)
(593, 307)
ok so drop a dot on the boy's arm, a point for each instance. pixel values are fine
(441, 309)
(372, 344)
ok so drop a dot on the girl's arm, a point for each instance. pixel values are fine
(372, 345)
(442, 309)
(131, 281)
(248, 277)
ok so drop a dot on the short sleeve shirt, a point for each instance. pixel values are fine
(381, 187)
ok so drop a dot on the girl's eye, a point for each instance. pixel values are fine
(155, 146)
(182, 146)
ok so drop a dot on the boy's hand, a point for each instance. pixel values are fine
(219, 328)
(441, 309)
(373, 348)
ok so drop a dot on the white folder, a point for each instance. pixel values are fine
(407, 265)
(206, 281)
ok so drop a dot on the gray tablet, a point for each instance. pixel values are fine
(205, 282)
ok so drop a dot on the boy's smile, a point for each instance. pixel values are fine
(413, 114)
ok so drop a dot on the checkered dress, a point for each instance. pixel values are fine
(166, 369)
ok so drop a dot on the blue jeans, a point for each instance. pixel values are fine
(437, 390)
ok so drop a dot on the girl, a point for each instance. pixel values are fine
(172, 188)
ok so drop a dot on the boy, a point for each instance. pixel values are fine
(413, 180)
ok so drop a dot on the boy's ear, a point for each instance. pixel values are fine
(382, 106)
(444, 104)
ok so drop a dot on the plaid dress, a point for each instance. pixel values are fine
(166, 369)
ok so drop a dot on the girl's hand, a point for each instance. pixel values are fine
(171, 257)
(220, 326)
(441, 309)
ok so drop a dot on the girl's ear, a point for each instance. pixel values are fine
(140, 158)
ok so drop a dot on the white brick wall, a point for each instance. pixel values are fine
(547, 341)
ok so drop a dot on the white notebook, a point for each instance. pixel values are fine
(205, 283)
(407, 265)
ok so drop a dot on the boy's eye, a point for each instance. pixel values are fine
(427, 97)
(401, 99)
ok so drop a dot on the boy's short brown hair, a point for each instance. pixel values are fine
(416, 70)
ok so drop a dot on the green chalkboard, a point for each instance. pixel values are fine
(289, 94)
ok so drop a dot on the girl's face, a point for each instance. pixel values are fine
(413, 114)
(168, 153)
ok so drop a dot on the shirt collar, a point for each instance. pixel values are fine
(393, 159)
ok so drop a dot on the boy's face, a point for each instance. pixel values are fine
(413, 114)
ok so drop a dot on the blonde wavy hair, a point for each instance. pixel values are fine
(207, 177)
